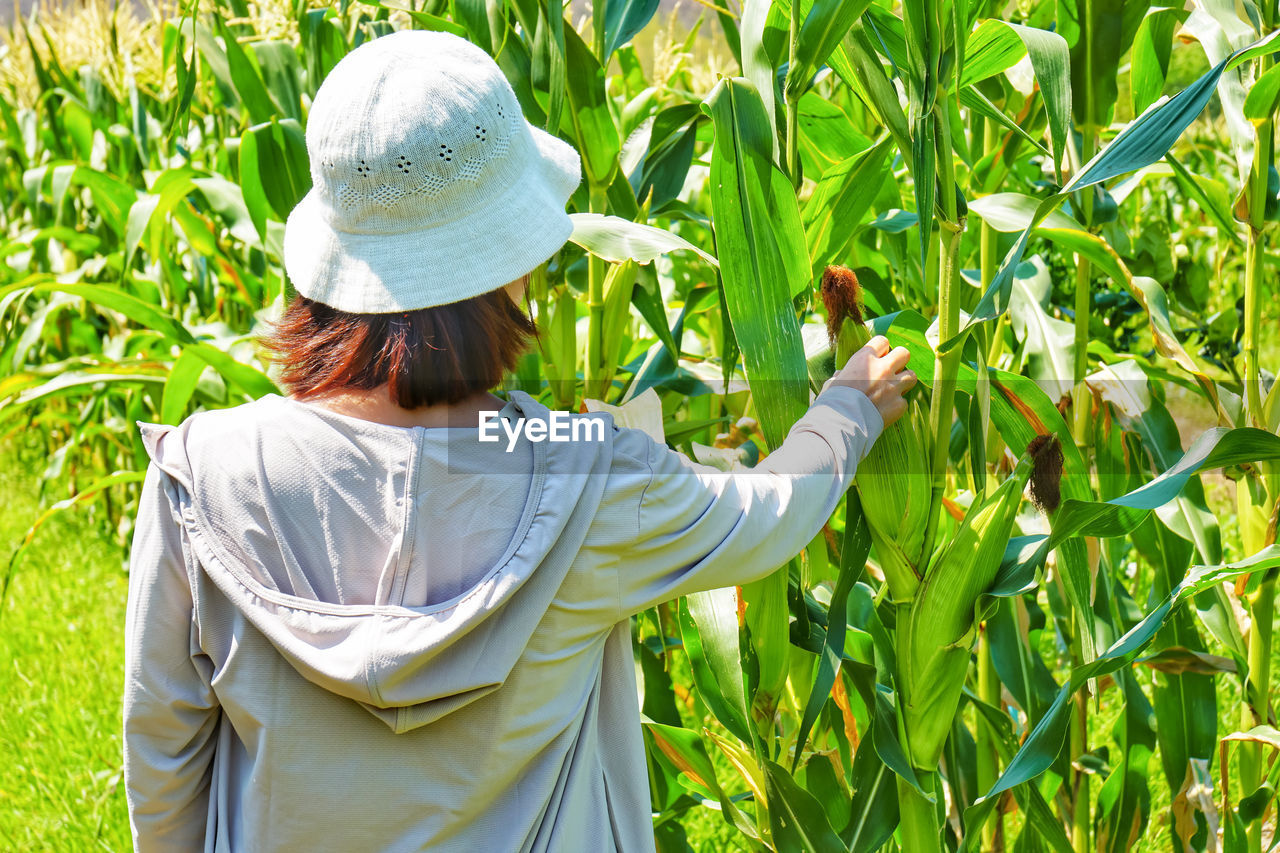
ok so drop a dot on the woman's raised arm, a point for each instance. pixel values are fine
(700, 528)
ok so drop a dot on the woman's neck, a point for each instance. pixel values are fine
(375, 404)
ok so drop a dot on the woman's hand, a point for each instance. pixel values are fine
(881, 374)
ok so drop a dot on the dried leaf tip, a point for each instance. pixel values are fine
(1046, 472)
(842, 297)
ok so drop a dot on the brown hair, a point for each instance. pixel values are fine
(442, 354)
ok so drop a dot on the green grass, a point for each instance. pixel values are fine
(61, 675)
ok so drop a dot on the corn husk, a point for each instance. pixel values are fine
(893, 481)
(894, 484)
(936, 631)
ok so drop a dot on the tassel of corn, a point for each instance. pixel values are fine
(893, 480)
(935, 637)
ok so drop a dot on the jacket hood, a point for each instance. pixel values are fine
(252, 531)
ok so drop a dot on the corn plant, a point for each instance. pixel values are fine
(999, 188)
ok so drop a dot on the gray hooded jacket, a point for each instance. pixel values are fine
(349, 636)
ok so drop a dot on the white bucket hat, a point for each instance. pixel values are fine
(428, 185)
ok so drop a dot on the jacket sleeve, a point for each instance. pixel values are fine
(170, 710)
(699, 528)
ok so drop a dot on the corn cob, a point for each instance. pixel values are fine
(939, 625)
(893, 480)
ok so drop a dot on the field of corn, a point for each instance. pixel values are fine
(1044, 618)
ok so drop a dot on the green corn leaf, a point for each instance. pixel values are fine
(37, 322)
(246, 78)
(991, 49)
(594, 130)
(853, 558)
(1048, 343)
(1151, 134)
(686, 754)
(670, 153)
(616, 239)
(997, 45)
(768, 621)
(226, 199)
(425, 20)
(622, 20)
(277, 61)
(111, 196)
(763, 261)
(557, 64)
(181, 385)
(924, 158)
(215, 59)
(1211, 195)
(619, 284)
(1149, 59)
(108, 296)
(1046, 739)
(823, 778)
(1011, 211)
(685, 750)
(76, 380)
(923, 48)
(873, 811)
(323, 45)
(274, 171)
(78, 123)
(827, 135)
(1100, 33)
(1219, 30)
(1144, 141)
(168, 192)
(861, 70)
(757, 67)
(1124, 800)
(840, 202)
(884, 739)
(798, 820)
(1040, 820)
(981, 104)
(1126, 387)
(1185, 703)
(1217, 447)
(709, 628)
(822, 30)
(1264, 97)
(253, 381)
(1253, 804)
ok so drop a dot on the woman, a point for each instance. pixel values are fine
(355, 624)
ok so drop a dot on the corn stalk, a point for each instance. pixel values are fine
(1261, 603)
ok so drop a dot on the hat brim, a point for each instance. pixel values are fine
(445, 263)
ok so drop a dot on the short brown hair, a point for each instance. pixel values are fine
(429, 356)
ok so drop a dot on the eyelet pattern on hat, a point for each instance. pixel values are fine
(387, 185)
(399, 182)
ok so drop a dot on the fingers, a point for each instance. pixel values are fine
(879, 345)
(906, 380)
(898, 358)
(893, 410)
